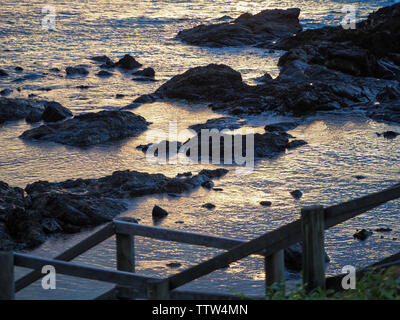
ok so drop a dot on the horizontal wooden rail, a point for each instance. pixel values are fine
(87, 272)
(99, 236)
(285, 236)
(123, 227)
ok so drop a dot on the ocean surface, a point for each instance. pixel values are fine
(340, 146)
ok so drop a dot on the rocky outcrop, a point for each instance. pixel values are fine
(46, 208)
(264, 28)
(17, 108)
(90, 128)
(76, 71)
(208, 83)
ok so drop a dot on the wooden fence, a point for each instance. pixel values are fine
(309, 229)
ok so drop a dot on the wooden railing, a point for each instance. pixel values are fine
(309, 229)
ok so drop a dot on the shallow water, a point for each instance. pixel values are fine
(340, 146)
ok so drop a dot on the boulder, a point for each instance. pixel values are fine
(159, 212)
(90, 128)
(211, 82)
(12, 109)
(147, 73)
(55, 112)
(127, 63)
(3, 73)
(79, 70)
(362, 234)
(104, 73)
(263, 28)
(6, 92)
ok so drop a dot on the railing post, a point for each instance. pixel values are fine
(7, 287)
(312, 223)
(158, 290)
(125, 260)
(274, 268)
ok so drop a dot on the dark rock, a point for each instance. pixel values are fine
(162, 149)
(383, 230)
(6, 92)
(185, 174)
(212, 82)
(207, 184)
(119, 96)
(71, 71)
(362, 235)
(218, 189)
(390, 134)
(90, 128)
(56, 70)
(265, 27)
(3, 73)
(281, 127)
(34, 116)
(159, 212)
(224, 123)
(18, 108)
(147, 72)
(208, 206)
(102, 58)
(19, 69)
(104, 73)
(55, 112)
(266, 203)
(295, 144)
(174, 265)
(297, 194)
(128, 63)
(294, 256)
(359, 177)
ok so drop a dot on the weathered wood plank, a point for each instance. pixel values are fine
(93, 273)
(341, 212)
(158, 290)
(271, 242)
(312, 219)
(7, 289)
(125, 258)
(174, 235)
(275, 268)
(99, 236)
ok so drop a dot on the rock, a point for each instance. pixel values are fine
(297, 194)
(104, 73)
(3, 73)
(34, 116)
(128, 63)
(56, 70)
(266, 203)
(224, 123)
(174, 265)
(55, 112)
(6, 92)
(383, 230)
(12, 109)
(281, 127)
(390, 134)
(359, 177)
(68, 206)
(19, 69)
(263, 28)
(212, 82)
(218, 189)
(102, 58)
(90, 128)
(147, 72)
(185, 174)
(159, 212)
(208, 206)
(207, 184)
(72, 71)
(362, 235)
(119, 96)
(294, 255)
(267, 145)
(295, 144)
(165, 147)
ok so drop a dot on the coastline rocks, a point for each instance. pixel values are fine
(79, 70)
(297, 194)
(146, 73)
(211, 82)
(208, 206)
(293, 257)
(55, 112)
(263, 28)
(158, 212)
(127, 63)
(3, 73)
(362, 235)
(6, 92)
(47, 208)
(104, 73)
(12, 109)
(90, 129)
(224, 123)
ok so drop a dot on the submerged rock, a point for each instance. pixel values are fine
(72, 71)
(297, 194)
(147, 73)
(209, 206)
(6, 92)
(362, 235)
(3, 73)
(263, 28)
(90, 128)
(49, 208)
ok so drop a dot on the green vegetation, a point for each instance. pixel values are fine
(376, 284)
